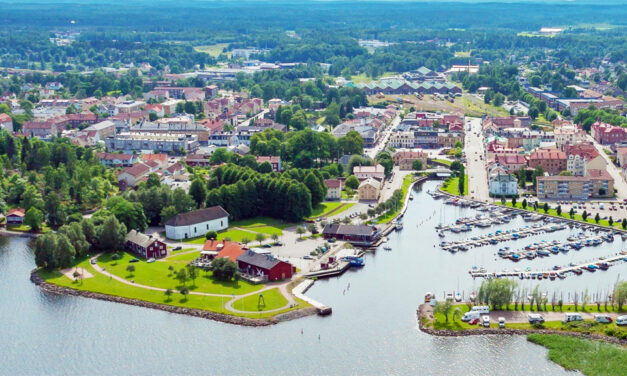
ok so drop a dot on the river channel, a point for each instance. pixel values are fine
(373, 328)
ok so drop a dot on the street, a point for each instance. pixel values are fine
(478, 187)
(619, 183)
(372, 152)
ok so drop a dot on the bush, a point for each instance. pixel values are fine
(211, 235)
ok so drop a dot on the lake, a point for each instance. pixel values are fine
(373, 329)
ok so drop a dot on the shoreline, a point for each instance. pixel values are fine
(423, 314)
(210, 315)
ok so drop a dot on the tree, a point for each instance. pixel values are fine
(211, 235)
(224, 269)
(265, 168)
(198, 191)
(620, 294)
(167, 213)
(182, 276)
(571, 213)
(184, 291)
(497, 292)
(524, 203)
(417, 165)
(168, 294)
(153, 180)
(300, 231)
(546, 207)
(316, 188)
(584, 216)
(352, 182)
(130, 269)
(443, 308)
(597, 218)
(245, 240)
(559, 210)
(514, 201)
(275, 237)
(260, 237)
(64, 251)
(54, 210)
(312, 228)
(461, 185)
(111, 234)
(131, 214)
(192, 273)
(34, 218)
(611, 221)
(624, 224)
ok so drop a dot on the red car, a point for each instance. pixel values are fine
(474, 321)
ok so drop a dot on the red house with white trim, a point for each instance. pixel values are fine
(265, 266)
(144, 245)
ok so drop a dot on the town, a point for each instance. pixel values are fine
(257, 177)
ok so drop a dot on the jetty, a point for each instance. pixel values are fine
(299, 292)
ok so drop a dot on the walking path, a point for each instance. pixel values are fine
(282, 287)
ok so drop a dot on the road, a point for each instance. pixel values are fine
(372, 152)
(260, 115)
(478, 187)
(619, 183)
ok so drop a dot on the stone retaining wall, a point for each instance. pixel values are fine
(55, 289)
(420, 313)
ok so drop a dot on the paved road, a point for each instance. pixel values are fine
(260, 115)
(475, 166)
(619, 183)
(372, 152)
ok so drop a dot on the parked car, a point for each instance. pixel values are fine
(485, 321)
(621, 320)
(535, 318)
(307, 257)
(474, 321)
(501, 322)
(470, 315)
(604, 319)
(570, 317)
(178, 248)
(152, 259)
(92, 261)
(134, 260)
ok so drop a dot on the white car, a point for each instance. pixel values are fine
(485, 321)
(152, 259)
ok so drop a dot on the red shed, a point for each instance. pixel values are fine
(264, 265)
(144, 245)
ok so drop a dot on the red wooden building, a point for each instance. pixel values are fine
(15, 216)
(264, 266)
(144, 245)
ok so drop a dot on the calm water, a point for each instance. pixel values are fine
(372, 330)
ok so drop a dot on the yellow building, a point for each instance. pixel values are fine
(369, 190)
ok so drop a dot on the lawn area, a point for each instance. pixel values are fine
(443, 161)
(364, 79)
(26, 228)
(475, 107)
(248, 228)
(452, 186)
(214, 50)
(325, 208)
(273, 299)
(260, 221)
(157, 274)
(236, 235)
(565, 214)
(589, 357)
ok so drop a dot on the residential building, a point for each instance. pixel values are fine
(369, 190)
(569, 134)
(511, 162)
(552, 161)
(405, 159)
(582, 157)
(503, 185)
(6, 122)
(597, 184)
(127, 107)
(160, 159)
(264, 266)
(449, 139)
(103, 129)
(402, 140)
(145, 246)
(161, 142)
(196, 223)
(334, 189)
(16, 216)
(117, 160)
(42, 129)
(130, 176)
(607, 134)
(365, 172)
(196, 160)
(274, 161)
(222, 248)
(360, 235)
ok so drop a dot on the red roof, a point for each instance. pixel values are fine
(598, 175)
(587, 151)
(228, 249)
(136, 170)
(16, 212)
(333, 183)
(4, 118)
(509, 159)
(271, 159)
(551, 154)
(154, 157)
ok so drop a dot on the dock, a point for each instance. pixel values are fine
(324, 273)
(554, 273)
(299, 292)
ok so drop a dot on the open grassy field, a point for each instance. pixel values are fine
(468, 104)
(157, 274)
(330, 208)
(214, 50)
(248, 228)
(272, 299)
(452, 186)
(589, 357)
(363, 79)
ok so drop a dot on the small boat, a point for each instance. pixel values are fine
(449, 296)
(411, 197)
(458, 297)
(356, 261)
(441, 234)
(603, 265)
(578, 271)
(473, 296)
(399, 226)
(387, 248)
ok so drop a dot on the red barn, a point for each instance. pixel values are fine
(265, 266)
(144, 245)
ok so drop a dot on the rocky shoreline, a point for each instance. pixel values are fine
(236, 320)
(423, 314)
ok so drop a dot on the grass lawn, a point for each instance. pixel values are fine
(214, 50)
(452, 186)
(589, 357)
(260, 221)
(157, 274)
(565, 214)
(273, 300)
(364, 79)
(26, 228)
(325, 208)
(443, 161)
(236, 235)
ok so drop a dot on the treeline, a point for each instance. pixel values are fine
(588, 116)
(246, 193)
(78, 239)
(306, 148)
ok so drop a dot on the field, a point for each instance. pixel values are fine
(468, 104)
(248, 229)
(329, 208)
(589, 357)
(271, 300)
(452, 186)
(363, 79)
(214, 50)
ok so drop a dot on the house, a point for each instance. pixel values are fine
(583, 157)
(365, 172)
(16, 216)
(606, 134)
(144, 245)
(196, 223)
(511, 162)
(264, 266)
(552, 161)
(274, 161)
(364, 235)
(503, 185)
(160, 159)
(103, 129)
(116, 160)
(176, 169)
(369, 190)
(334, 189)
(405, 159)
(222, 248)
(196, 160)
(6, 122)
(130, 176)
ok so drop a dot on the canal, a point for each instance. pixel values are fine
(372, 330)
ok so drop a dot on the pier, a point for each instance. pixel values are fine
(299, 292)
